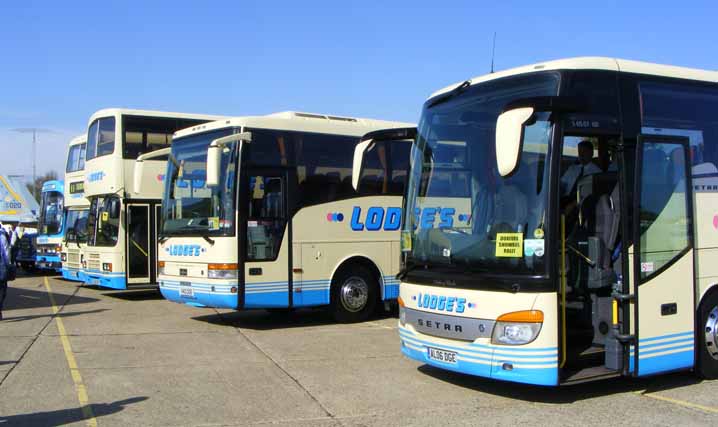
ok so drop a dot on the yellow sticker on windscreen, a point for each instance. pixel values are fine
(213, 223)
(509, 245)
(105, 216)
(405, 241)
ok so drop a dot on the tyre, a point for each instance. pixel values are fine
(354, 294)
(707, 356)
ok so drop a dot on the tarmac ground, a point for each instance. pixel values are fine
(74, 355)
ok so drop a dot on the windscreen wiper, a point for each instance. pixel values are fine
(208, 240)
(162, 238)
(409, 267)
(447, 96)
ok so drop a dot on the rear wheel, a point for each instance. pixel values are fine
(354, 294)
(708, 338)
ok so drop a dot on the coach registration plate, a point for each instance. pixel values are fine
(186, 290)
(442, 355)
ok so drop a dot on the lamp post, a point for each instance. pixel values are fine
(34, 132)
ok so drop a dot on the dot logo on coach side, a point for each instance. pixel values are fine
(335, 217)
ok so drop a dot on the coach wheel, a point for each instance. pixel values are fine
(708, 338)
(354, 294)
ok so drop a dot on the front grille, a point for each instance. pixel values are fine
(93, 261)
(27, 248)
(73, 258)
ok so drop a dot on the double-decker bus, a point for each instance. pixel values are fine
(592, 190)
(121, 225)
(77, 208)
(50, 226)
(260, 212)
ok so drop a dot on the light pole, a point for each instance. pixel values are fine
(34, 132)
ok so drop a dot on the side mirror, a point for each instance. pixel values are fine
(140, 166)
(509, 138)
(214, 162)
(214, 154)
(368, 142)
(114, 208)
(137, 178)
(359, 151)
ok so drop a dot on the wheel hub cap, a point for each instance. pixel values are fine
(354, 294)
(711, 331)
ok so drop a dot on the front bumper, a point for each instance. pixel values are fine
(519, 364)
(49, 262)
(105, 280)
(203, 294)
(74, 274)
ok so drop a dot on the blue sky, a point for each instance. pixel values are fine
(61, 61)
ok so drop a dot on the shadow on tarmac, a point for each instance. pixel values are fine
(61, 315)
(67, 416)
(263, 320)
(133, 295)
(36, 272)
(564, 394)
(24, 298)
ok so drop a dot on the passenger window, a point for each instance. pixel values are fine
(688, 110)
(664, 217)
(266, 217)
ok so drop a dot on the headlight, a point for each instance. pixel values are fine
(106, 266)
(402, 311)
(63, 257)
(222, 271)
(160, 267)
(517, 328)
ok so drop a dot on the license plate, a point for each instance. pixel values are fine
(442, 355)
(186, 292)
(93, 281)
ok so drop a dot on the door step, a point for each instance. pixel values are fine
(589, 374)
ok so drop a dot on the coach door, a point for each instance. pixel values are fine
(663, 265)
(267, 258)
(138, 248)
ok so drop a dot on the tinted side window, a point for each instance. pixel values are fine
(145, 134)
(385, 168)
(684, 110)
(323, 162)
(324, 167)
(271, 148)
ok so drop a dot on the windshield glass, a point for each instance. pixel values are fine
(51, 213)
(76, 158)
(76, 226)
(460, 211)
(190, 206)
(103, 221)
(100, 138)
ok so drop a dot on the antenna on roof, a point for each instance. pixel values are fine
(493, 52)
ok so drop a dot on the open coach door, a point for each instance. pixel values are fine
(662, 257)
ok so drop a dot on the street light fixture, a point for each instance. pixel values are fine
(34, 132)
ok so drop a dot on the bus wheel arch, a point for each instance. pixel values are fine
(355, 290)
(707, 335)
